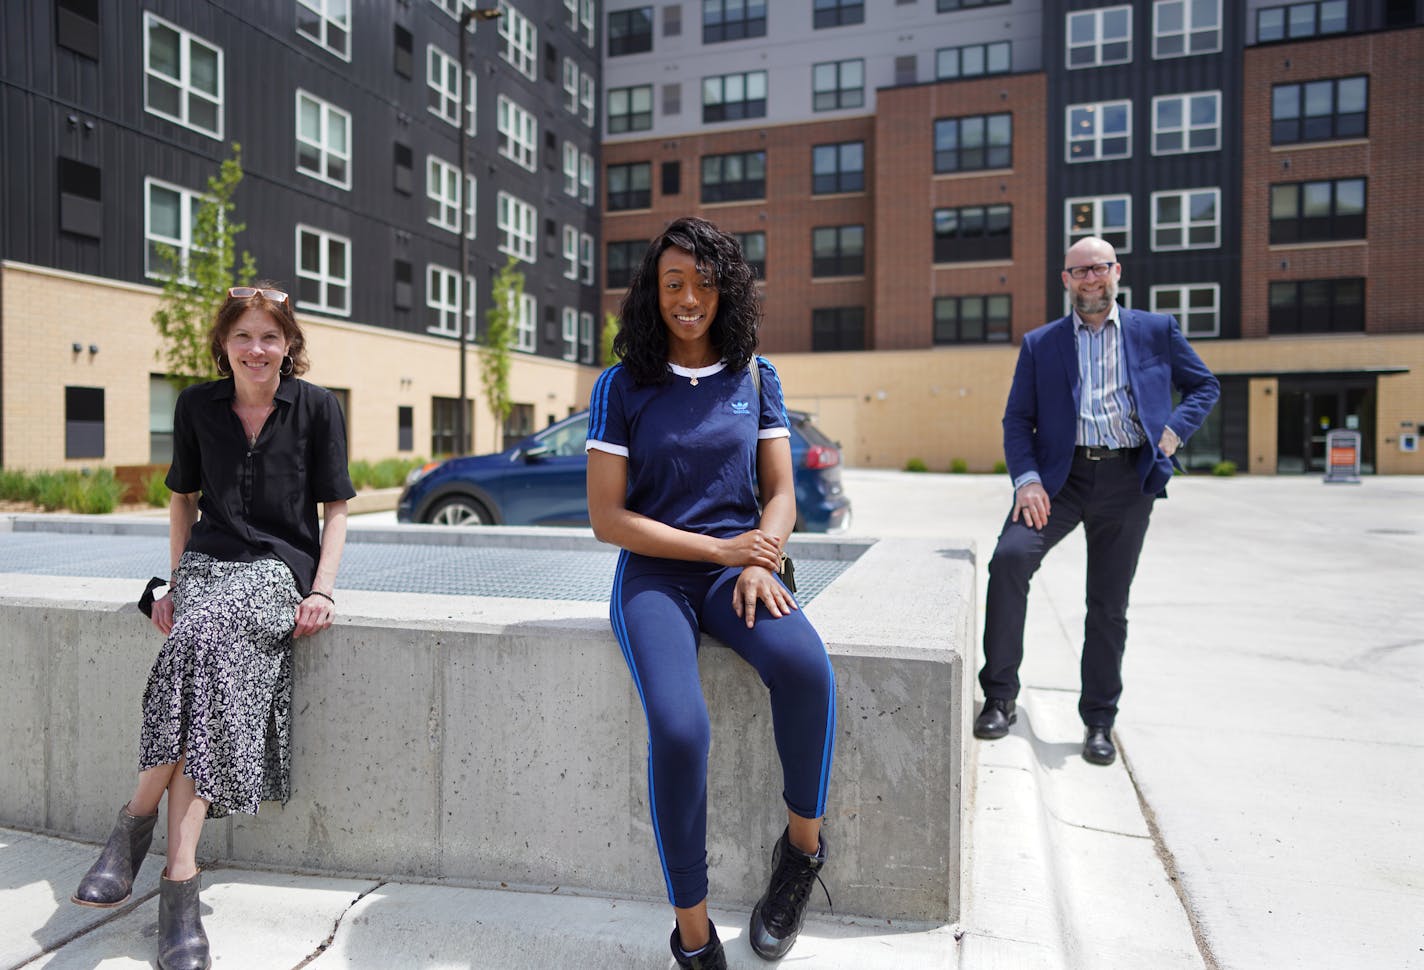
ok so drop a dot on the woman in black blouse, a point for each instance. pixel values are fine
(254, 453)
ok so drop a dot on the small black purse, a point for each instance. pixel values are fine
(788, 568)
(145, 602)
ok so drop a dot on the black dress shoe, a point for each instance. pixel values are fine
(994, 720)
(1098, 747)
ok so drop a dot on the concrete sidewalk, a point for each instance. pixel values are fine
(1271, 756)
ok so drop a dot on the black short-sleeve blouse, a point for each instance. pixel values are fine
(260, 502)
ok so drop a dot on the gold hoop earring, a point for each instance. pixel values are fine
(288, 366)
(224, 365)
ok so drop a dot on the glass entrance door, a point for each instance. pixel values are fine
(1310, 409)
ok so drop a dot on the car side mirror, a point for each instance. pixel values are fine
(537, 453)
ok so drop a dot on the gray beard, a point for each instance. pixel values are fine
(1089, 304)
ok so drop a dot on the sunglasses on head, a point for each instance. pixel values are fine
(248, 292)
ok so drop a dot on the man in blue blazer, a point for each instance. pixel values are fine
(1089, 435)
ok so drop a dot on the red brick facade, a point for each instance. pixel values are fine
(1388, 157)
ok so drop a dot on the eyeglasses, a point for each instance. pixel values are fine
(248, 292)
(1096, 269)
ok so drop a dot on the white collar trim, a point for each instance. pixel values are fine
(707, 371)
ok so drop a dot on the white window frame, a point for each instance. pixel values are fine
(586, 336)
(437, 298)
(571, 86)
(572, 6)
(571, 169)
(442, 187)
(587, 18)
(520, 38)
(188, 200)
(183, 82)
(1098, 40)
(519, 134)
(526, 320)
(326, 276)
(571, 253)
(1188, 29)
(327, 112)
(1187, 127)
(571, 333)
(1096, 229)
(1183, 311)
(585, 259)
(440, 67)
(518, 225)
(1187, 224)
(586, 178)
(588, 97)
(1095, 113)
(320, 8)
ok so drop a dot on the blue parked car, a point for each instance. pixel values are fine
(540, 481)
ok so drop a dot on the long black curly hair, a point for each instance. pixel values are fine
(642, 339)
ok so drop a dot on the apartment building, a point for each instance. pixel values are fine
(115, 113)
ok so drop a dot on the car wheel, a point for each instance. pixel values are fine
(459, 510)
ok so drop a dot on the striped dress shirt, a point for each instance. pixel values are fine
(1107, 416)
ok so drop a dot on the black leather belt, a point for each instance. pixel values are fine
(1099, 453)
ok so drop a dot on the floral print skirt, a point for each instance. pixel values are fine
(220, 692)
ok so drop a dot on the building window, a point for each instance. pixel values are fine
(162, 400)
(973, 60)
(519, 41)
(945, 6)
(405, 428)
(525, 310)
(1107, 216)
(442, 192)
(630, 32)
(1097, 132)
(838, 13)
(586, 17)
(732, 20)
(444, 414)
(630, 186)
(323, 271)
(571, 86)
(1296, 20)
(404, 163)
(586, 258)
(973, 233)
(974, 143)
(404, 289)
(327, 23)
(403, 45)
(838, 251)
(586, 338)
(838, 168)
(183, 77)
(323, 141)
(586, 179)
(672, 21)
(1317, 306)
(1186, 219)
(442, 75)
(516, 221)
(732, 97)
(571, 316)
(442, 299)
(621, 261)
(1184, 27)
(1186, 123)
(630, 109)
(671, 178)
(571, 253)
(171, 216)
(1319, 110)
(518, 134)
(837, 328)
(838, 84)
(1100, 37)
(1324, 211)
(753, 251)
(734, 178)
(571, 169)
(1197, 307)
(672, 99)
(83, 422)
(972, 319)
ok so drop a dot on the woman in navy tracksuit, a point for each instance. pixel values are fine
(690, 473)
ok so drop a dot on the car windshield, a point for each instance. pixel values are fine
(812, 434)
(565, 440)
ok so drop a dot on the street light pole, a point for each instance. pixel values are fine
(467, 109)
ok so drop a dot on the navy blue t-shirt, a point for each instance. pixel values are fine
(691, 448)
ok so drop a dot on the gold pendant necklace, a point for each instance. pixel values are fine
(692, 381)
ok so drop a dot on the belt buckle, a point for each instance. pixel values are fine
(1095, 452)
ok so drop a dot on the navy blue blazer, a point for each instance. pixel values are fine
(1041, 419)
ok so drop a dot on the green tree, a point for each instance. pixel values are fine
(610, 330)
(195, 285)
(506, 292)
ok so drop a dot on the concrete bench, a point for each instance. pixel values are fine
(499, 741)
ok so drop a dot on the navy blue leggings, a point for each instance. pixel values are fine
(659, 609)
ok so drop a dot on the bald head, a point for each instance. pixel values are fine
(1093, 292)
(1089, 250)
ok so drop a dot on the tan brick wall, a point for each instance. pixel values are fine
(44, 312)
(1388, 158)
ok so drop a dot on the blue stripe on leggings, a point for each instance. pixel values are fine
(620, 633)
(830, 743)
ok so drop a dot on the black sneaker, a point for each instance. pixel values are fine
(778, 914)
(711, 957)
